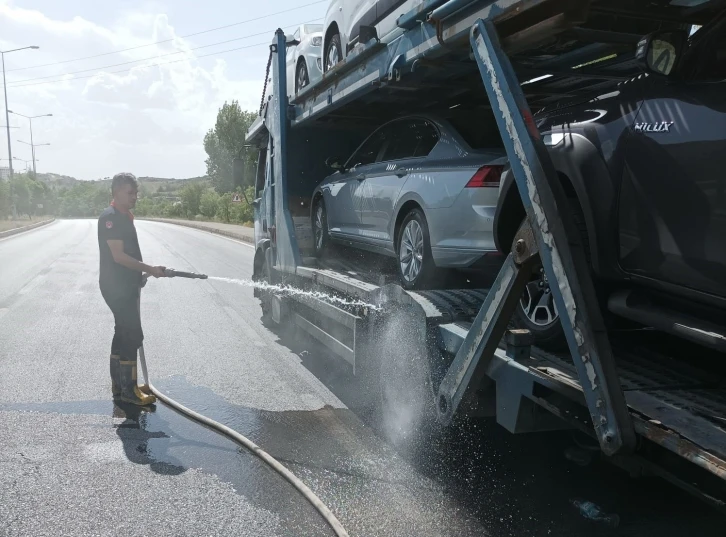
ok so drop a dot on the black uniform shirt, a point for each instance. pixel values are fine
(113, 277)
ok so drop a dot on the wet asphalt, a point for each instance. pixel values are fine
(74, 463)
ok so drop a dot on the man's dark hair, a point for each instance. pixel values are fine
(121, 179)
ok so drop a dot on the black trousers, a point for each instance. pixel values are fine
(128, 334)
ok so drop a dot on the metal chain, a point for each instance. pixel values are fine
(267, 77)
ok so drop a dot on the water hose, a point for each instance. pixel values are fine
(233, 435)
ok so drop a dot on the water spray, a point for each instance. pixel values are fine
(289, 290)
(233, 435)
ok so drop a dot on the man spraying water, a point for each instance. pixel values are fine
(122, 274)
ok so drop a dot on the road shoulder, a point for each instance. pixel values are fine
(246, 234)
(23, 229)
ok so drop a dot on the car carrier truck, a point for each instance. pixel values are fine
(433, 355)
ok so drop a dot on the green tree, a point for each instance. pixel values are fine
(20, 185)
(39, 192)
(175, 210)
(242, 212)
(191, 197)
(223, 144)
(85, 198)
(5, 205)
(145, 207)
(224, 206)
(209, 203)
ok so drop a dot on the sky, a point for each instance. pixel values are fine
(142, 117)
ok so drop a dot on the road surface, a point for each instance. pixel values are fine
(73, 463)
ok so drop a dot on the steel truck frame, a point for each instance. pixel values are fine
(646, 414)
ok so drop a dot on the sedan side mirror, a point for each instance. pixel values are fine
(290, 41)
(659, 51)
(334, 164)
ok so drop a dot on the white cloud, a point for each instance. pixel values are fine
(149, 118)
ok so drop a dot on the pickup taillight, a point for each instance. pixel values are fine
(486, 176)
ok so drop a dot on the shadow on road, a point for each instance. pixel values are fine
(135, 436)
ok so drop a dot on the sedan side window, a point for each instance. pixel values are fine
(369, 150)
(410, 139)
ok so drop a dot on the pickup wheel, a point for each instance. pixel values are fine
(333, 52)
(320, 227)
(415, 264)
(536, 310)
(302, 78)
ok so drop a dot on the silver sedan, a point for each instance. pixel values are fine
(414, 190)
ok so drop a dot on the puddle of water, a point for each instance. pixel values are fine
(289, 290)
(168, 443)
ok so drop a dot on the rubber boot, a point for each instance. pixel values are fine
(115, 375)
(130, 392)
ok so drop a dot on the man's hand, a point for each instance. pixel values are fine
(157, 272)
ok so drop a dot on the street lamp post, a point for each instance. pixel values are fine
(30, 120)
(24, 161)
(32, 150)
(5, 88)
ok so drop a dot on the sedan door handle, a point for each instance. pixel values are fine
(401, 172)
(360, 177)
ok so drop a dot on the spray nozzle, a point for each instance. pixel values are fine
(171, 273)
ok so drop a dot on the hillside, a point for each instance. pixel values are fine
(149, 185)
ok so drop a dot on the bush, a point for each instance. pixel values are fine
(224, 207)
(176, 210)
(209, 204)
(191, 196)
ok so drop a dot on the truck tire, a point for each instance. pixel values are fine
(333, 53)
(415, 263)
(321, 239)
(536, 310)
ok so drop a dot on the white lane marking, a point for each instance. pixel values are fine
(243, 243)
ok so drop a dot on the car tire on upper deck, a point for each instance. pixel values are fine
(333, 53)
(302, 78)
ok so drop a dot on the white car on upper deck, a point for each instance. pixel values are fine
(303, 61)
(345, 18)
